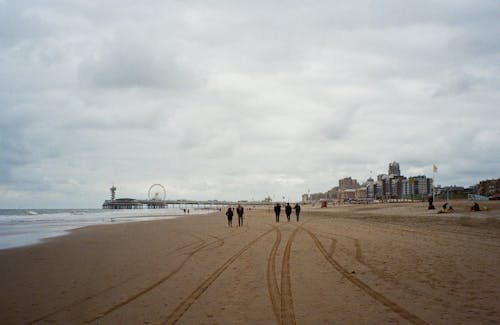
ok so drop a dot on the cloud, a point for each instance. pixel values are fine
(17, 25)
(129, 64)
(240, 100)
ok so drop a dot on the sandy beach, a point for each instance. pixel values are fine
(357, 264)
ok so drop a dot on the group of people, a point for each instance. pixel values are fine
(239, 211)
(288, 211)
(277, 210)
(446, 208)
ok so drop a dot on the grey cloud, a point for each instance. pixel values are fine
(455, 84)
(17, 24)
(383, 12)
(337, 123)
(232, 100)
(124, 65)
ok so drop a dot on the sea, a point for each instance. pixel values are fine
(23, 227)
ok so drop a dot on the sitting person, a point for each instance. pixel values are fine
(446, 209)
(431, 206)
(475, 207)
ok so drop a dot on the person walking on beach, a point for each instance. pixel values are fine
(239, 212)
(297, 210)
(288, 211)
(229, 214)
(277, 210)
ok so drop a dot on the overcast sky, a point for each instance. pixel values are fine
(242, 99)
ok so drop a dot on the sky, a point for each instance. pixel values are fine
(240, 100)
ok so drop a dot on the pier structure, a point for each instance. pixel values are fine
(127, 203)
(157, 200)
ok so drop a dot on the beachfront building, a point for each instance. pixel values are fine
(317, 196)
(406, 188)
(333, 194)
(347, 195)
(348, 183)
(383, 187)
(396, 186)
(387, 186)
(417, 187)
(370, 188)
(394, 169)
(489, 187)
(361, 193)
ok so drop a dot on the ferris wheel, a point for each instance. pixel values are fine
(157, 192)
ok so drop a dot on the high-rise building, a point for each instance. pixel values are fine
(396, 183)
(416, 186)
(394, 169)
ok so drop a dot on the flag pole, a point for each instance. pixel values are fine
(434, 170)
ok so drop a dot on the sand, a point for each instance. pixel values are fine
(357, 264)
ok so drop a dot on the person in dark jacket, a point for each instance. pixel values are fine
(277, 210)
(229, 214)
(239, 212)
(297, 210)
(288, 211)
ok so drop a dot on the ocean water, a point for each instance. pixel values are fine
(21, 227)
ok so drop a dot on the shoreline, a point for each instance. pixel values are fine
(20, 230)
(348, 264)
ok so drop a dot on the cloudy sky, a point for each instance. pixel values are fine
(242, 99)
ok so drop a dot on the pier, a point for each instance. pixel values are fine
(157, 200)
(156, 204)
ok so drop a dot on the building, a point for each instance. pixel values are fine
(317, 196)
(361, 193)
(347, 195)
(489, 187)
(416, 187)
(122, 203)
(392, 185)
(396, 186)
(371, 188)
(332, 194)
(383, 187)
(394, 169)
(348, 183)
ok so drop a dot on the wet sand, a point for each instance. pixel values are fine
(359, 264)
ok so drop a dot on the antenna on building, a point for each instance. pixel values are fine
(113, 190)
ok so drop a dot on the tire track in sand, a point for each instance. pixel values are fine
(333, 246)
(78, 302)
(272, 282)
(160, 281)
(414, 319)
(287, 311)
(179, 311)
(376, 271)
